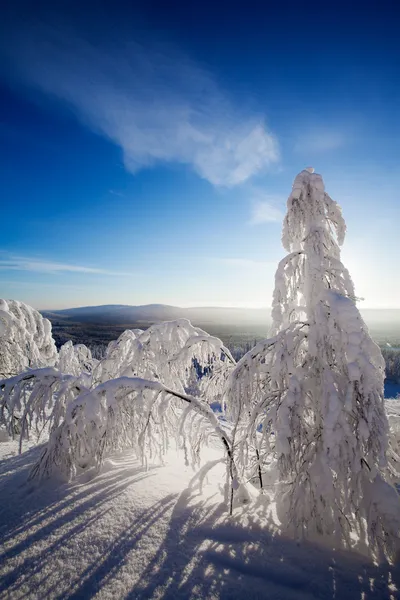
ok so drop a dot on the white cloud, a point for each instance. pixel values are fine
(265, 212)
(156, 105)
(31, 264)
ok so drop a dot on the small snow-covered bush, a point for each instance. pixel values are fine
(25, 339)
(35, 400)
(92, 407)
(76, 360)
(128, 413)
(175, 353)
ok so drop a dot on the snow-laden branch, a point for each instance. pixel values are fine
(25, 339)
(36, 399)
(176, 353)
(128, 412)
(393, 413)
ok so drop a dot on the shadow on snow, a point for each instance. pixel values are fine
(76, 540)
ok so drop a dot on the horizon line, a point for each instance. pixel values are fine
(205, 306)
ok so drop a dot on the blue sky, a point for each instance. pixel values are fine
(147, 148)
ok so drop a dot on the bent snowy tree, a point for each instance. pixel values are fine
(90, 408)
(311, 397)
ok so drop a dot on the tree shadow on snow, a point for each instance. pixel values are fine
(207, 554)
(47, 517)
(201, 553)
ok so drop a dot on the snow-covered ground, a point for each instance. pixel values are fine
(132, 533)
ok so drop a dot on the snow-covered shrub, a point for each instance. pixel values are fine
(25, 339)
(76, 360)
(132, 413)
(312, 396)
(393, 413)
(175, 353)
(392, 361)
(91, 408)
(36, 400)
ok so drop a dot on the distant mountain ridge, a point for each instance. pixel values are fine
(117, 314)
(125, 314)
(94, 323)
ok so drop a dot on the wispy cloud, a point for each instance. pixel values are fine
(157, 105)
(324, 140)
(117, 193)
(19, 263)
(264, 212)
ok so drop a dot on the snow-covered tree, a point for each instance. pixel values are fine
(76, 360)
(90, 408)
(311, 397)
(25, 339)
(175, 353)
(128, 412)
(36, 400)
(393, 413)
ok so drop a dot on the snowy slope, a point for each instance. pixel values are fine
(128, 533)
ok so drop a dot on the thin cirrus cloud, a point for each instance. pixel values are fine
(324, 140)
(263, 211)
(155, 104)
(39, 266)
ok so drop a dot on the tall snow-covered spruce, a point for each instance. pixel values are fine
(312, 396)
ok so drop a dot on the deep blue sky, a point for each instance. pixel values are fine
(147, 148)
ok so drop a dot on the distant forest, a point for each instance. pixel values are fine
(238, 338)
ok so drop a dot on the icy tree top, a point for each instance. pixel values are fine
(313, 231)
(309, 207)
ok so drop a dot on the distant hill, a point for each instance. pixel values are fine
(91, 324)
(119, 314)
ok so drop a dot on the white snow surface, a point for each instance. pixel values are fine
(135, 533)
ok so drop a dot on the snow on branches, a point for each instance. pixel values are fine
(176, 353)
(25, 339)
(36, 400)
(128, 412)
(312, 396)
(91, 408)
(76, 360)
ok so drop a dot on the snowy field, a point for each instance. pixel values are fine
(132, 533)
